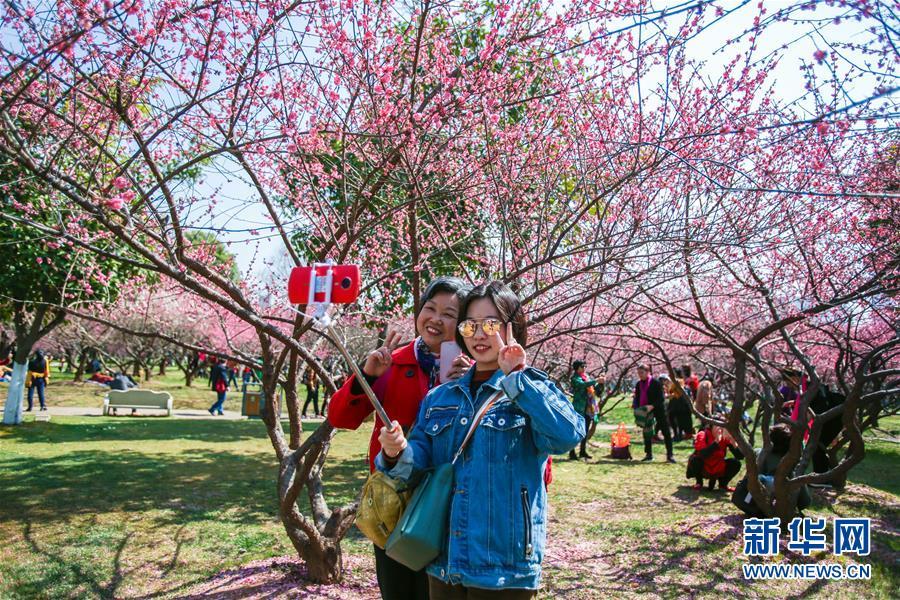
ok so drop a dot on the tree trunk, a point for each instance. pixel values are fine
(321, 553)
(12, 411)
(189, 377)
(70, 360)
(292, 401)
(324, 564)
(162, 366)
(82, 363)
(136, 370)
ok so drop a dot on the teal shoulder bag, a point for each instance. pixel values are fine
(422, 530)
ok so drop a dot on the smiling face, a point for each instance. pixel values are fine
(436, 322)
(484, 348)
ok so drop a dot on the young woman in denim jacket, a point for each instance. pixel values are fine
(498, 513)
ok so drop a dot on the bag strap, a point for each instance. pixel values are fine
(475, 421)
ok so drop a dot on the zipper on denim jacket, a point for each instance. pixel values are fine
(526, 515)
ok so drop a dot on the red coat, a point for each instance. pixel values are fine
(714, 465)
(694, 383)
(401, 390)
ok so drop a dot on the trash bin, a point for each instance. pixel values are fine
(253, 403)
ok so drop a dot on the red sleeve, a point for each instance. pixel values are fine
(346, 409)
(700, 441)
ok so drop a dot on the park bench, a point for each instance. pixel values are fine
(137, 399)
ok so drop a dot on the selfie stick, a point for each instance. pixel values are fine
(322, 284)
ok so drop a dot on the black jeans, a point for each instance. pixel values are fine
(396, 582)
(662, 425)
(312, 395)
(682, 425)
(732, 467)
(588, 420)
(444, 591)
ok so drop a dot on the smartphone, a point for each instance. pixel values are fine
(449, 352)
(344, 284)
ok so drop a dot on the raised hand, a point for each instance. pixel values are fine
(512, 355)
(392, 440)
(379, 361)
(459, 367)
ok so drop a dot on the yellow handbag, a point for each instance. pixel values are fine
(381, 505)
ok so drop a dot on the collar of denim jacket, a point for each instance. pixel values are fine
(465, 382)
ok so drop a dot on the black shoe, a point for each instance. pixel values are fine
(572, 455)
(43, 408)
(647, 458)
(28, 409)
(585, 455)
(210, 411)
(671, 459)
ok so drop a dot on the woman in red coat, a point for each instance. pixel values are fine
(401, 377)
(709, 461)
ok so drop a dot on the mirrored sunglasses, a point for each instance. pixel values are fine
(467, 328)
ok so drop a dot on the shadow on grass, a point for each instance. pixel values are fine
(197, 489)
(664, 552)
(62, 575)
(189, 486)
(104, 429)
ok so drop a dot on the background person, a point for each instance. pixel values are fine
(311, 381)
(37, 379)
(704, 400)
(680, 411)
(648, 392)
(709, 459)
(218, 381)
(122, 382)
(780, 437)
(582, 392)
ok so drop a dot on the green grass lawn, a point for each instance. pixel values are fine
(147, 507)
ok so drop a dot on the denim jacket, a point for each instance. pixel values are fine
(498, 510)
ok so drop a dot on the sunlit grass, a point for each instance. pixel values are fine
(111, 507)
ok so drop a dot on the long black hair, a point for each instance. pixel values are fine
(508, 305)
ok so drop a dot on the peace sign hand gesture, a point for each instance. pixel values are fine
(512, 355)
(379, 361)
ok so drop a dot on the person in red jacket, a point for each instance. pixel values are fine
(400, 378)
(708, 460)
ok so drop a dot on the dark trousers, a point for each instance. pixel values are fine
(732, 467)
(588, 421)
(648, 435)
(682, 426)
(220, 401)
(312, 395)
(38, 384)
(396, 582)
(444, 591)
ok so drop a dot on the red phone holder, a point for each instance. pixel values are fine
(324, 284)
